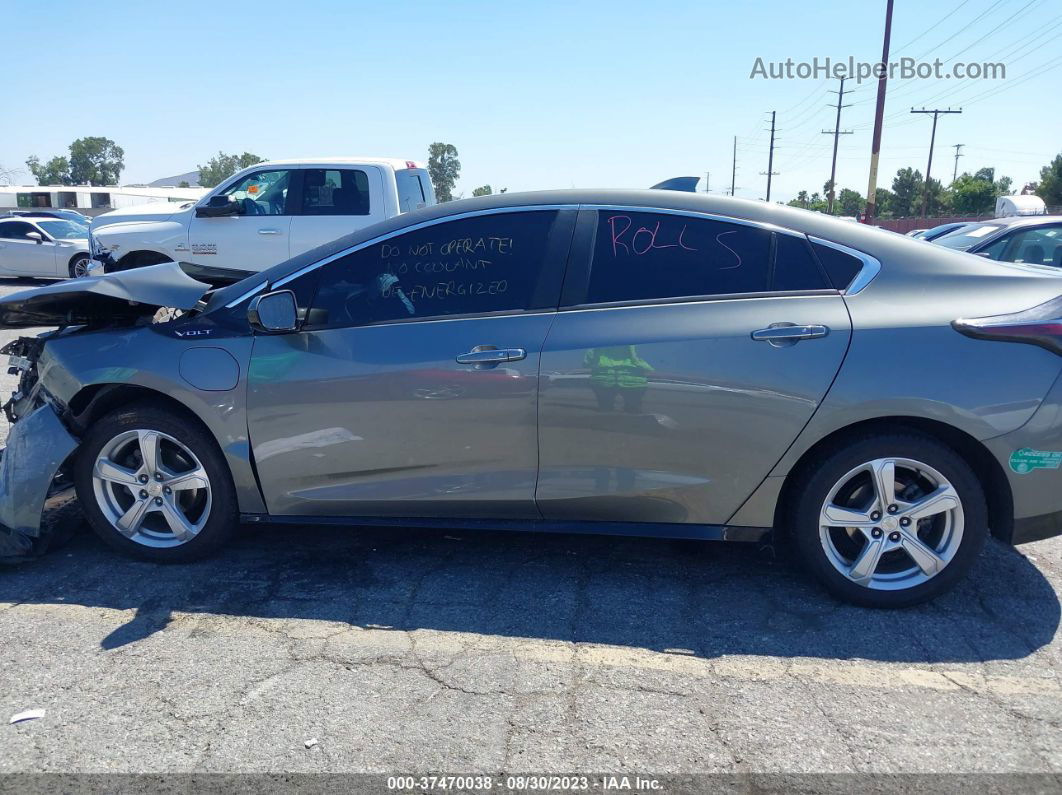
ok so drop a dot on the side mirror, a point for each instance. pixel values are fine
(274, 313)
(217, 207)
(35, 236)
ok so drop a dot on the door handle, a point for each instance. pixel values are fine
(269, 231)
(489, 356)
(783, 334)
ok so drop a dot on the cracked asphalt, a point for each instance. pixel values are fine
(409, 651)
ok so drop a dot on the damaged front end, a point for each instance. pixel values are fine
(37, 504)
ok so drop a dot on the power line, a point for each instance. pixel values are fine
(927, 28)
(836, 132)
(955, 173)
(932, 140)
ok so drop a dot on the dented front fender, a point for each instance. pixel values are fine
(37, 447)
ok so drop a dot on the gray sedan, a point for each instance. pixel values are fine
(649, 363)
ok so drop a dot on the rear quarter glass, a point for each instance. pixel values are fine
(841, 268)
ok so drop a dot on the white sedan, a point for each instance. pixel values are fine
(43, 248)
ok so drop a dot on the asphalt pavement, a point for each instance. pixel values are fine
(409, 651)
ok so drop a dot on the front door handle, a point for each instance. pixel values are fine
(490, 356)
(783, 334)
(269, 231)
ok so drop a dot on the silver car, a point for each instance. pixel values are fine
(647, 362)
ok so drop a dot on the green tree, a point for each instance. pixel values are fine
(55, 172)
(96, 161)
(485, 190)
(850, 202)
(977, 193)
(907, 187)
(183, 184)
(444, 168)
(1050, 187)
(222, 166)
(883, 203)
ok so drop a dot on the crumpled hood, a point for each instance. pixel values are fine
(114, 297)
(153, 211)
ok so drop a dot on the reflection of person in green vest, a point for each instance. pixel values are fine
(618, 370)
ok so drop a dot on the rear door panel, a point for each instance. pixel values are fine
(672, 413)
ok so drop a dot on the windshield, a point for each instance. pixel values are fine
(966, 236)
(64, 230)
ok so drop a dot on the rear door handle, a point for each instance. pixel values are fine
(488, 355)
(782, 334)
(269, 231)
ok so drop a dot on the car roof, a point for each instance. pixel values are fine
(396, 163)
(1025, 220)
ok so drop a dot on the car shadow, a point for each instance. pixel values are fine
(683, 597)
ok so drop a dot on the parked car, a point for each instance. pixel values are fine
(643, 363)
(941, 230)
(66, 215)
(1031, 240)
(262, 215)
(42, 247)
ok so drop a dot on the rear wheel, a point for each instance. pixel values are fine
(890, 521)
(154, 484)
(79, 266)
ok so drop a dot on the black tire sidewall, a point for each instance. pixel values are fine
(817, 482)
(224, 512)
(73, 265)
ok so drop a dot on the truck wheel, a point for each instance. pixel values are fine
(891, 520)
(154, 484)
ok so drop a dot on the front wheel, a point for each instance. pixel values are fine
(153, 484)
(891, 520)
(79, 266)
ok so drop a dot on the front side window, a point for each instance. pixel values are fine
(1040, 246)
(15, 230)
(487, 263)
(332, 191)
(645, 256)
(261, 193)
(64, 230)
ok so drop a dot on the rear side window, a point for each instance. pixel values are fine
(333, 191)
(643, 256)
(411, 192)
(488, 263)
(841, 268)
(794, 265)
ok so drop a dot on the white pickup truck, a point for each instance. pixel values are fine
(260, 216)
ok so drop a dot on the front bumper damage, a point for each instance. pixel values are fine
(37, 506)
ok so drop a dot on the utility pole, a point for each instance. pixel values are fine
(879, 117)
(770, 172)
(733, 168)
(836, 132)
(707, 181)
(955, 173)
(932, 140)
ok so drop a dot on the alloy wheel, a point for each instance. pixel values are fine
(152, 488)
(891, 524)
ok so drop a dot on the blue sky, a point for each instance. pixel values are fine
(533, 94)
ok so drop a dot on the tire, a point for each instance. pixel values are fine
(78, 266)
(872, 557)
(187, 522)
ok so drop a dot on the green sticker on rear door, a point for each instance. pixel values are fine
(1026, 460)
